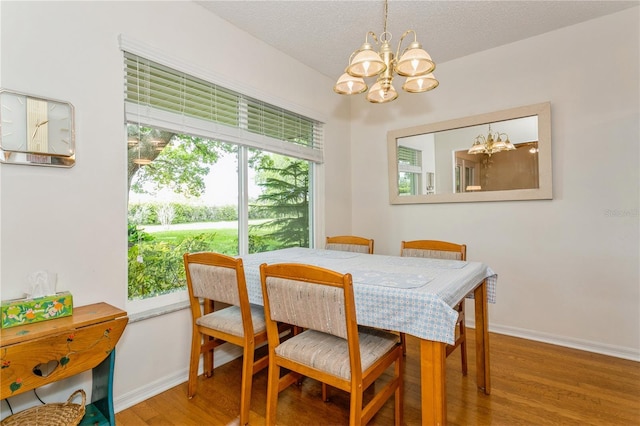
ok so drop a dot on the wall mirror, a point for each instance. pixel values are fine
(498, 156)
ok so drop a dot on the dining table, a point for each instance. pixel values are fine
(412, 295)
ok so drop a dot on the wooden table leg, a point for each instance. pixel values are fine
(432, 382)
(482, 338)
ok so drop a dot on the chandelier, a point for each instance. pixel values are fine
(491, 144)
(414, 63)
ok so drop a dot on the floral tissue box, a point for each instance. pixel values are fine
(27, 311)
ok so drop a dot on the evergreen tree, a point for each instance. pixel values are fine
(286, 198)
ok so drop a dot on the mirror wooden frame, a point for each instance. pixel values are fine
(544, 190)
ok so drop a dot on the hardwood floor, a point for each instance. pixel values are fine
(532, 384)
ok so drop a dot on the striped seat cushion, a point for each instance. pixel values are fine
(331, 353)
(229, 320)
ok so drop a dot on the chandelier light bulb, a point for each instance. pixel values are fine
(382, 92)
(350, 85)
(420, 84)
(366, 62)
(414, 61)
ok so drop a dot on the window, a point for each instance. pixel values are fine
(409, 171)
(209, 169)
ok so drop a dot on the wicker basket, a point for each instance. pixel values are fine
(57, 414)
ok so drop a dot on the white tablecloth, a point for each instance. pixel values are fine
(408, 294)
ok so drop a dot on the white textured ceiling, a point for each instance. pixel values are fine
(323, 33)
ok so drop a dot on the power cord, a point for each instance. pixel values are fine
(36, 394)
(11, 408)
(9, 405)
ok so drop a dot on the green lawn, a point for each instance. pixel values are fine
(221, 240)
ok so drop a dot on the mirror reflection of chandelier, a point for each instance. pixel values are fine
(491, 144)
(414, 63)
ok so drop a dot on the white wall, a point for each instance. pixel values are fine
(568, 268)
(73, 221)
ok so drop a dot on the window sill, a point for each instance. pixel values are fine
(156, 312)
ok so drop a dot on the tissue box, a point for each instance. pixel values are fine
(27, 311)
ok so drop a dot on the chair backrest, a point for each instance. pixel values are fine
(216, 277)
(434, 249)
(309, 297)
(350, 243)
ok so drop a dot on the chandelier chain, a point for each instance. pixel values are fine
(386, 11)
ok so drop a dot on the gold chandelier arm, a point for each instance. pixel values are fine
(414, 60)
(406, 33)
(365, 45)
(373, 36)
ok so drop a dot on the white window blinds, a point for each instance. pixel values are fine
(409, 159)
(157, 95)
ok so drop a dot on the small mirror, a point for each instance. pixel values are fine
(505, 155)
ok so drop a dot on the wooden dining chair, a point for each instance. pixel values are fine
(442, 250)
(332, 349)
(220, 278)
(350, 243)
